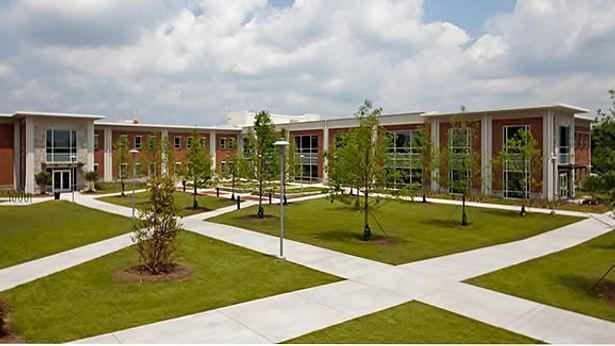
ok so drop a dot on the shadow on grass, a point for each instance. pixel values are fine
(582, 285)
(357, 236)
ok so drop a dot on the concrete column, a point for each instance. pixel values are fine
(486, 153)
(108, 155)
(30, 169)
(16, 157)
(435, 144)
(90, 142)
(212, 149)
(164, 136)
(550, 158)
(325, 148)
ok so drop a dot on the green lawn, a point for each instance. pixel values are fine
(563, 278)
(42, 229)
(112, 187)
(182, 199)
(413, 323)
(414, 230)
(86, 300)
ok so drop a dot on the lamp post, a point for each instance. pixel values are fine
(133, 154)
(73, 176)
(281, 145)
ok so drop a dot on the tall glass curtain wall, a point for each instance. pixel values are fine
(306, 156)
(516, 170)
(61, 146)
(404, 165)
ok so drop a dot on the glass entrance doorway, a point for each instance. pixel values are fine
(564, 191)
(61, 180)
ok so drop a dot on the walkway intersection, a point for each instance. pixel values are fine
(370, 286)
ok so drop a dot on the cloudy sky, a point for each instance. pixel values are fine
(192, 61)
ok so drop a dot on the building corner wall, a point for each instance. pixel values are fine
(29, 171)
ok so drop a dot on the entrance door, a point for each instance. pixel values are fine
(563, 185)
(61, 180)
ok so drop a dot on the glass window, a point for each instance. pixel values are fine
(189, 142)
(516, 170)
(61, 145)
(151, 169)
(138, 170)
(96, 140)
(204, 139)
(306, 153)
(223, 143)
(178, 142)
(137, 142)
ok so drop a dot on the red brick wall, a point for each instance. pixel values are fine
(116, 134)
(581, 145)
(6, 154)
(222, 154)
(319, 134)
(99, 154)
(498, 141)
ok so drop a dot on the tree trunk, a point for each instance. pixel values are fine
(464, 216)
(367, 233)
(195, 204)
(123, 187)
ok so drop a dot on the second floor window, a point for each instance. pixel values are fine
(189, 142)
(178, 143)
(61, 145)
(138, 141)
(96, 141)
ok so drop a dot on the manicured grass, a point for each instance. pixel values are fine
(42, 229)
(562, 205)
(563, 278)
(182, 199)
(415, 231)
(86, 300)
(112, 187)
(413, 323)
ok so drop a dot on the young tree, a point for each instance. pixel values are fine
(520, 156)
(43, 179)
(262, 152)
(368, 144)
(341, 168)
(155, 232)
(199, 166)
(91, 177)
(121, 148)
(460, 160)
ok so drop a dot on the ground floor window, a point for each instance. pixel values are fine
(306, 154)
(123, 170)
(514, 182)
(151, 169)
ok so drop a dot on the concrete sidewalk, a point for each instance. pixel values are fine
(373, 286)
(29, 271)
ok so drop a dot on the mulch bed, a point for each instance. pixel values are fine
(6, 333)
(382, 240)
(178, 272)
(256, 219)
(607, 291)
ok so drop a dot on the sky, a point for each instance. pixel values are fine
(192, 61)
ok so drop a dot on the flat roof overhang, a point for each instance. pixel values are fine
(501, 111)
(23, 114)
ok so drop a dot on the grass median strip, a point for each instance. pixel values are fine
(563, 279)
(413, 323)
(404, 231)
(43, 229)
(182, 199)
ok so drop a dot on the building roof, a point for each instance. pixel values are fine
(162, 126)
(557, 107)
(20, 114)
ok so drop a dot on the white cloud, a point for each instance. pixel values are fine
(193, 64)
